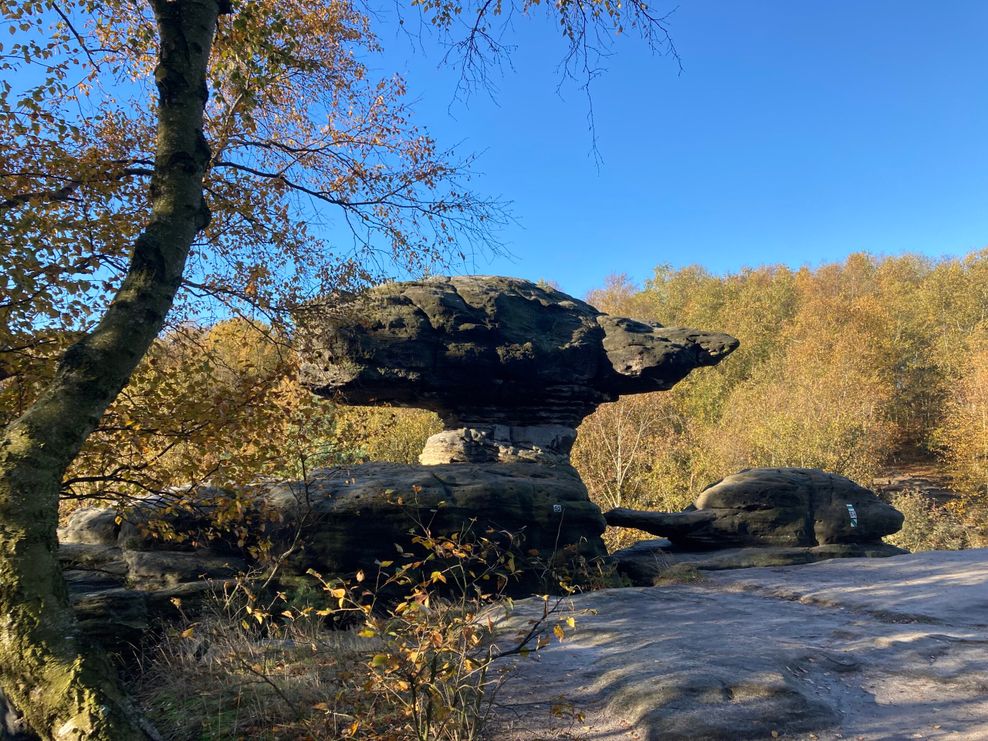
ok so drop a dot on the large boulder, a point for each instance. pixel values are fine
(784, 507)
(353, 516)
(337, 521)
(511, 367)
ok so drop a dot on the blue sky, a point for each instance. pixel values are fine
(798, 132)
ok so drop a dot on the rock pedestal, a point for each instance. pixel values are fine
(510, 367)
(549, 444)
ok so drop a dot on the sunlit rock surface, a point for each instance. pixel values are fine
(337, 521)
(867, 649)
(511, 367)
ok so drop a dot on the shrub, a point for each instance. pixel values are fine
(928, 526)
(410, 652)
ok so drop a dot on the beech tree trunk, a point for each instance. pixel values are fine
(65, 688)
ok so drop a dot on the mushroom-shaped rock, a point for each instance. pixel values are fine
(789, 507)
(511, 367)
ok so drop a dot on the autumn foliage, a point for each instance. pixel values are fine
(849, 367)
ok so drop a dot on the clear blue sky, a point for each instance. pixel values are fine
(797, 133)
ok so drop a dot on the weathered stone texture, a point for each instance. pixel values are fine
(492, 356)
(509, 366)
(785, 507)
(339, 520)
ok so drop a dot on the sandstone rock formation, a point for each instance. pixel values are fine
(650, 562)
(789, 507)
(759, 517)
(340, 520)
(509, 366)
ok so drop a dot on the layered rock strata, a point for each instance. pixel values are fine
(509, 366)
(787, 507)
(122, 578)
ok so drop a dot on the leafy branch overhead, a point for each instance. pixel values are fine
(315, 163)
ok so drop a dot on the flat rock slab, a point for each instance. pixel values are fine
(868, 649)
(936, 587)
(650, 562)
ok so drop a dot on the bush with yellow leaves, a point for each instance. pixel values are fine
(412, 649)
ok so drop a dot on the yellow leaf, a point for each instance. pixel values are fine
(187, 633)
(360, 576)
(557, 631)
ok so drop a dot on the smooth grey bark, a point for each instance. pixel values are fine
(65, 688)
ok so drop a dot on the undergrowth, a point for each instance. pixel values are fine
(929, 526)
(410, 651)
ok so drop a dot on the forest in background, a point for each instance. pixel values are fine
(849, 367)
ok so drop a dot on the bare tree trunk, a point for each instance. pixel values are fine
(65, 688)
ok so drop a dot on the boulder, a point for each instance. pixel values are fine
(337, 521)
(91, 526)
(780, 507)
(119, 618)
(509, 366)
(353, 516)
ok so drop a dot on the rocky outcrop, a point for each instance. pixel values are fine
(786, 507)
(338, 521)
(118, 591)
(759, 517)
(355, 516)
(509, 366)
